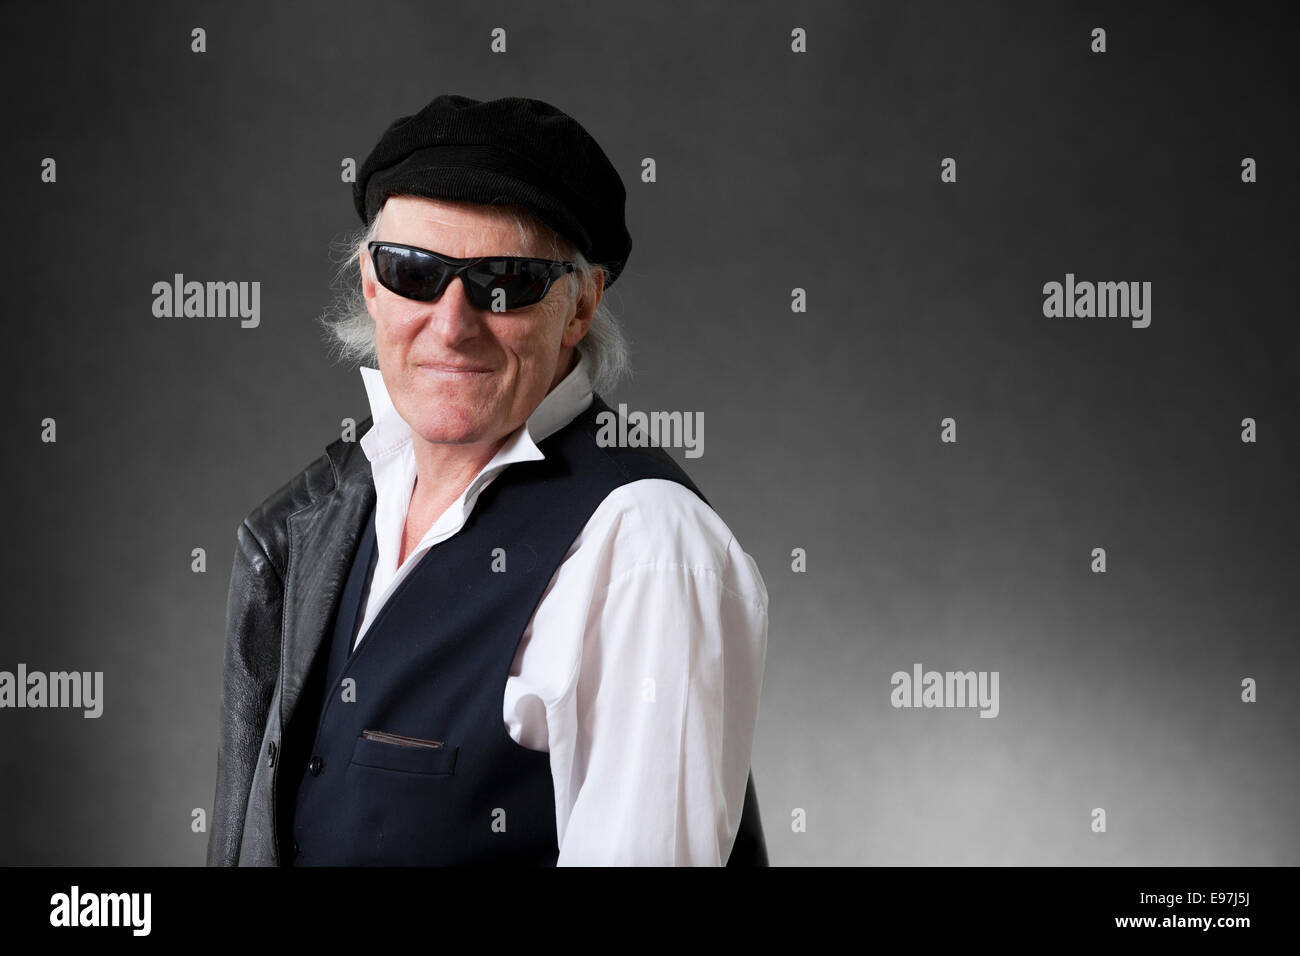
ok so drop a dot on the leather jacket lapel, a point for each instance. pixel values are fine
(322, 539)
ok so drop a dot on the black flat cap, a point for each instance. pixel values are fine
(511, 150)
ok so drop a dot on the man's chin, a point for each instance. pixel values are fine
(453, 430)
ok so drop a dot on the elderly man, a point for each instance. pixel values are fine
(479, 634)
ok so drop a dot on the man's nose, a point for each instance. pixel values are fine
(452, 314)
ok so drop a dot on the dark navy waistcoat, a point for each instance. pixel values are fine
(398, 753)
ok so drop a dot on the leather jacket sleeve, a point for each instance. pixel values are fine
(252, 658)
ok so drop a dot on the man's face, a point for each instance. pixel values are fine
(458, 374)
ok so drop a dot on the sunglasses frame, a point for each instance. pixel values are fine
(456, 268)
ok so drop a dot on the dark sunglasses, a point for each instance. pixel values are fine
(415, 273)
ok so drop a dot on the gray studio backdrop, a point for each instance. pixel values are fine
(776, 170)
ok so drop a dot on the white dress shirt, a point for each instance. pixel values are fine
(640, 669)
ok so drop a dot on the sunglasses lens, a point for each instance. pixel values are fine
(497, 284)
(501, 283)
(408, 272)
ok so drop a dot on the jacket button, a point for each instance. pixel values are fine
(296, 849)
(270, 754)
(316, 766)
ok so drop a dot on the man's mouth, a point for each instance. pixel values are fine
(442, 368)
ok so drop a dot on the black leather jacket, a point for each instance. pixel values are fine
(291, 561)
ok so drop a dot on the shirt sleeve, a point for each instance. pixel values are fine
(664, 702)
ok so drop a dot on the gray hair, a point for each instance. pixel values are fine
(350, 330)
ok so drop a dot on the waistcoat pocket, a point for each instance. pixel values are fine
(388, 751)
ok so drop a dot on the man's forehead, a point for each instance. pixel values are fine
(444, 211)
(414, 218)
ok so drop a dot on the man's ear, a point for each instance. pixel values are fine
(585, 310)
(369, 285)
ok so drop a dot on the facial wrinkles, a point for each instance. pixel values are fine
(480, 238)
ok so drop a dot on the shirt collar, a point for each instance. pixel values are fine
(389, 432)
